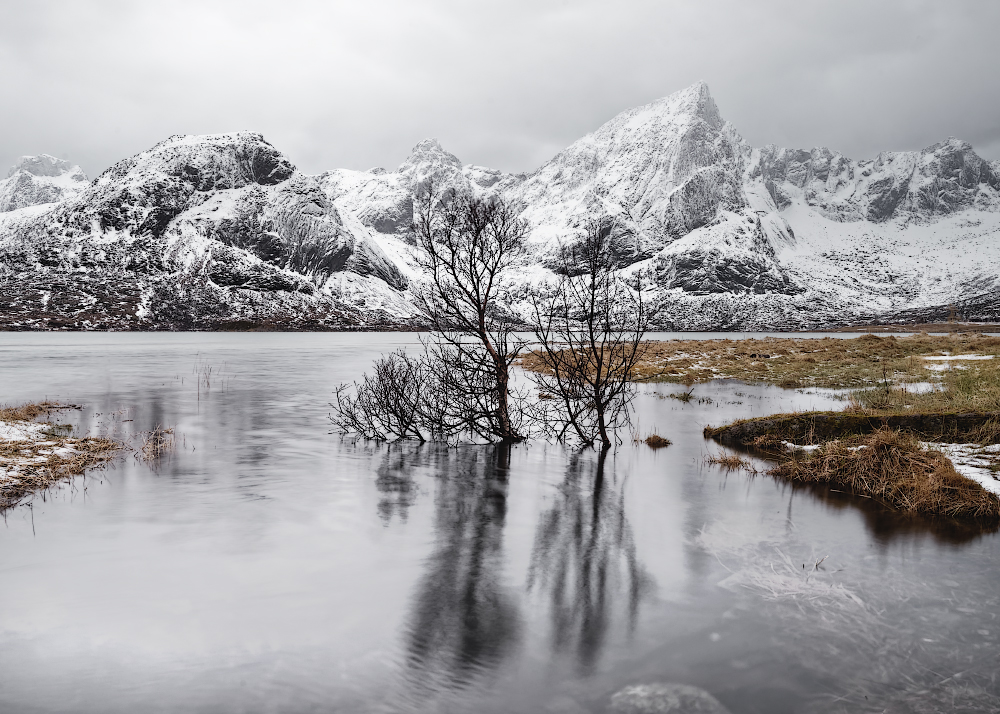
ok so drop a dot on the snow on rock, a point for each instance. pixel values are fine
(38, 180)
(383, 200)
(205, 230)
(198, 229)
(659, 171)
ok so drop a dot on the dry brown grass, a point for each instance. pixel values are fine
(893, 468)
(797, 362)
(972, 386)
(655, 441)
(157, 443)
(29, 412)
(729, 462)
(35, 464)
(987, 434)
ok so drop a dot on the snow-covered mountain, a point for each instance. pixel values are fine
(222, 230)
(40, 179)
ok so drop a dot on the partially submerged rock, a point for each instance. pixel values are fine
(665, 698)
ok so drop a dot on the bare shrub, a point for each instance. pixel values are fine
(468, 246)
(389, 403)
(460, 383)
(590, 327)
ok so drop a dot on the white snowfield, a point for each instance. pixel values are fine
(973, 461)
(721, 234)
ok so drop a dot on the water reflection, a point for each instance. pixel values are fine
(583, 556)
(464, 623)
(885, 524)
(394, 480)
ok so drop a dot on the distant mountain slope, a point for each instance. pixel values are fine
(197, 231)
(41, 179)
(222, 230)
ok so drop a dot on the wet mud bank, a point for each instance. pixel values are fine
(814, 427)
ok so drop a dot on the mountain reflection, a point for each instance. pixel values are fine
(463, 624)
(585, 559)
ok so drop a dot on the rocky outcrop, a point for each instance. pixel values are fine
(37, 180)
(665, 698)
(383, 201)
(942, 179)
(202, 231)
(202, 223)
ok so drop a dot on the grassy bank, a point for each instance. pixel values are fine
(896, 469)
(861, 362)
(36, 455)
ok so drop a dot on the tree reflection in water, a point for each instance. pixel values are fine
(394, 480)
(584, 557)
(463, 623)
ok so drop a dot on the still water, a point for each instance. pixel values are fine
(267, 565)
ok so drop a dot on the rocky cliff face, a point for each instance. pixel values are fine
(36, 180)
(212, 231)
(942, 179)
(383, 200)
(199, 230)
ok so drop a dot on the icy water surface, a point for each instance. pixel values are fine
(269, 566)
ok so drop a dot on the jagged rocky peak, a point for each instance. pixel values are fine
(208, 162)
(916, 185)
(660, 171)
(48, 166)
(36, 180)
(429, 162)
(955, 160)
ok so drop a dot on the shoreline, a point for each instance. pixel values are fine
(37, 455)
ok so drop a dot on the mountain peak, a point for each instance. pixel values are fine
(427, 153)
(695, 100)
(46, 165)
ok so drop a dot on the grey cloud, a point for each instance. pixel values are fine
(500, 84)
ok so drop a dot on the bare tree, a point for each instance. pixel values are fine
(460, 383)
(387, 403)
(590, 328)
(468, 247)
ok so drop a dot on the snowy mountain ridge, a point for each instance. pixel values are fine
(36, 180)
(222, 230)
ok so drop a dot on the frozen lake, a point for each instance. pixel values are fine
(268, 565)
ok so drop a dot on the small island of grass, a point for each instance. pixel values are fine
(36, 455)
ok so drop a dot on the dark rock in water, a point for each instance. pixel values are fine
(665, 699)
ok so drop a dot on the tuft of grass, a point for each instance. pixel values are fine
(40, 462)
(655, 441)
(682, 396)
(30, 412)
(987, 434)
(729, 462)
(156, 443)
(894, 468)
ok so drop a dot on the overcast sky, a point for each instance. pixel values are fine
(503, 84)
